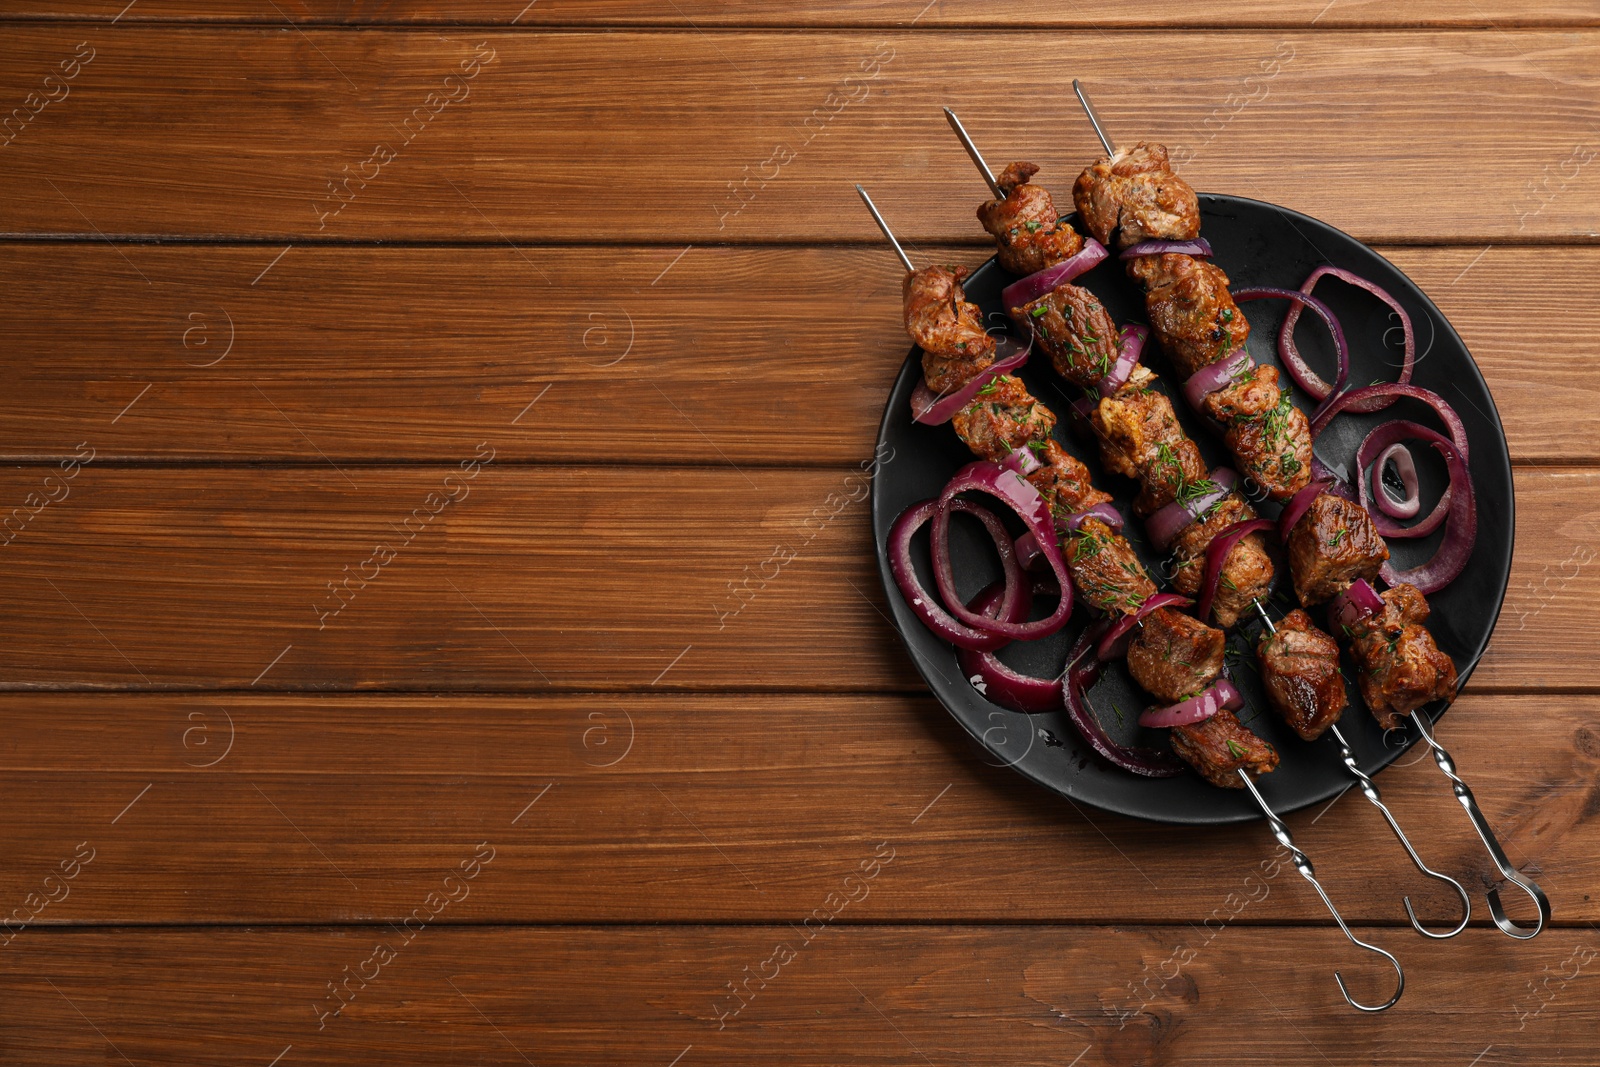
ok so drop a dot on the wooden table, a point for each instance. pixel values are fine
(441, 620)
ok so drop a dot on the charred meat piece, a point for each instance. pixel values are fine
(1077, 332)
(948, 329)
(1105, 571)
(1332, 545)
(1247, 572)
(1140, 438)
(1400, 668)
(1274, 447)
(1192, 313)
(1300, 670)
(1027, 232)
(1134, 196)
(1173, 655)
(1252, 392)
(1002, 418)
(1220, 747)
(1063, 481)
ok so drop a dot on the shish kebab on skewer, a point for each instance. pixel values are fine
(1335, 546)
(1140, 436)
(957, 352)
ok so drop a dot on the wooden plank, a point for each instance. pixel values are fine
(1057, 14)
(745, 136)
(383, 354)
(732, 808)
(535, 578)
(1013, 995)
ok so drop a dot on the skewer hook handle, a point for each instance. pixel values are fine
(1486, 834)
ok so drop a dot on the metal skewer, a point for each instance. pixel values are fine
(1094, 120)
(972, 150)
(1369, 789)
(884, 226)
(1490, 843)
(1302, 863)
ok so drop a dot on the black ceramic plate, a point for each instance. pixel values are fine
(1258, 245)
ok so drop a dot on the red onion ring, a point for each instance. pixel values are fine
(1348, 401)
(1017, 493)
(1197, 708)
(925, 605)
(1083, 671)
(998, 683)
(1208, 379)
(1301, 502)
(1198, 247)
(1041, 282)
(1356, 602)
(1302, 374)
(1406, 467)
(1217, 554)
(1133, 339)
(1104, 512)
(1022, 461)
(1386, 436)
(1115, 641)
(1286, 336)
(932, 409)
(1171, 520)
(1461, 533)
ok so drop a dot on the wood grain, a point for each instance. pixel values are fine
(899, 14)
(391, 354)
(729, 808)
(735, 136)
(944, 995)
(535, 578)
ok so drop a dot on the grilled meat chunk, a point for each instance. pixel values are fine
(1173, 655)
(1192, 313)
(1105, 571)
(1002, 418)
(1063, 481)
(1300, 670)
(1274, 448)
(1332, 545)
(1134, 196)
(1247, 572)
(1400, 668)
(1253, 392)
(1140, 438)
(1077, 332)
(1220, 747)
(1028, 234)
(949, 330)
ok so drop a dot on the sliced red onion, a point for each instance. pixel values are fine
(998, 683)
(1302, 374)
(1286, 337)
(1133, 339)
(1301, 502)
(1027, 551)
(1208, 379)
(1462, 530)
(1041, 282)
(932, 409)
(1017, 493)
(1171, 520)
(1197, 708)
(1083, 670)
(1217, 554)
(1386, 437)
(1084, 408)
(1349, 401)
(1197, 247)
(1115, 641)
(1406, 467)
(925, 605)
(1104, 512)
(1022, 461)
(1357, 602)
